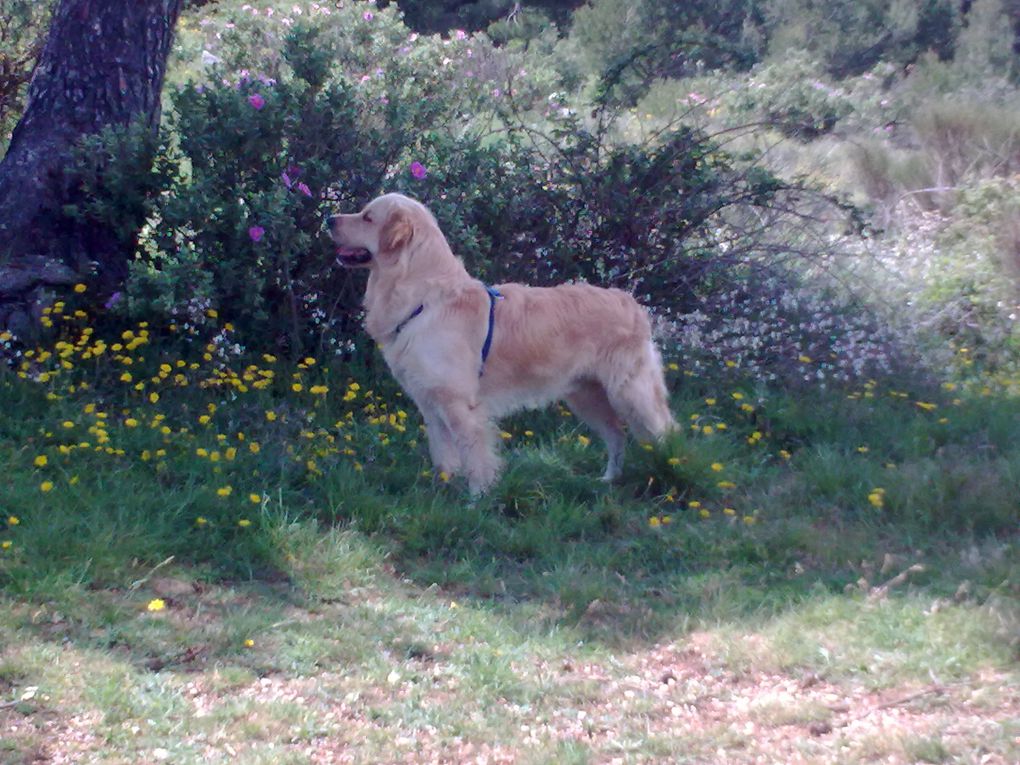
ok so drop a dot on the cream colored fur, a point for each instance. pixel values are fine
(587, 346)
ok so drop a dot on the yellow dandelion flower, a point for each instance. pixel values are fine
(80, 288)
(717, 467)
(703, 513)
(201, 521)
(13, 520)
(156, 604)
(255, 498)
(40, 461)
(271, 415)
(729, 511)
(249, 643)
(244, 523)
(654, 522)
(710, 401)
(7, 544)
(297, 387)
(583, 440)
(130, 422)
(673, 461)
(804, 359)
(224, 491)
(153, 397)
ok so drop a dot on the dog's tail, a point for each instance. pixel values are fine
(640, 396)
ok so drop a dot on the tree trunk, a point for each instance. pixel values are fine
(102, 65)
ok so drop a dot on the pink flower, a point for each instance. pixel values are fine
(460, 34)
(286, 179)
(368, 15)
(418, 170)
(256, 233)
(256, 101)
(303, 188)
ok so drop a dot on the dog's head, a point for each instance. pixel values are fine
(380, 233)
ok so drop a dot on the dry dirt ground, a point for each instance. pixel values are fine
(670, 702)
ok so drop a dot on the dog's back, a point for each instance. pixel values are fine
(548, 342)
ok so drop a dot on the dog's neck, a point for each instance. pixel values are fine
(395, 292)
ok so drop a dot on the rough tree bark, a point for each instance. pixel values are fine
(103, 64)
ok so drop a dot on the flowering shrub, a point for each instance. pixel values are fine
(790, 94)
(777, 331)
(301, 114)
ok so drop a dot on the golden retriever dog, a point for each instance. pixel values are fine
(468, 354)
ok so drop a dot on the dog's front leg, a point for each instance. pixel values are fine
(442, 446)
(473, 436)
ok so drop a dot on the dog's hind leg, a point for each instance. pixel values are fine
(588, 400)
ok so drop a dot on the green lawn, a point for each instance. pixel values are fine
(212, 559)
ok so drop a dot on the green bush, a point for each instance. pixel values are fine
(253, 163)
(790, 95)
(851, 36)
(537, 191)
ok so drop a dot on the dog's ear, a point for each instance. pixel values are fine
(396, 234)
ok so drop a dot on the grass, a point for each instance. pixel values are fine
(828, 575)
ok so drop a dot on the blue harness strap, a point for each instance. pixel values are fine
(494, 295)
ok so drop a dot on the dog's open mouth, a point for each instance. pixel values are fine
(352, 256)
